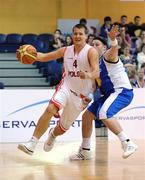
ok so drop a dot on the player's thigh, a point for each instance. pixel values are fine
(115, 102)
(60, 98)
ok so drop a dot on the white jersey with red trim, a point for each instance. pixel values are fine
(73, 64)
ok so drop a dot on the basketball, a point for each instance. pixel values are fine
(26, 54)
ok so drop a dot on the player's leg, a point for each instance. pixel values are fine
(128, 146)
(69, 114)
(84, 152)
(113, 104)
(43, 123)
(113, 125)
(41, 128)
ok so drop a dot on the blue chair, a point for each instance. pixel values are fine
(14, 38)
(13, 41)
(39, 45)
(29, 38)
(48, 41)
(3, 38)
(3, 43)
(53, 80)
(53, 67)
(46, 37)
(53, 72)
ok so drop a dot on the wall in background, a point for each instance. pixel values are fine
(40, 16)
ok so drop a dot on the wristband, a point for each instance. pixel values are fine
(114, 42)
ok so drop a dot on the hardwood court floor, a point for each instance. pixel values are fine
(106, 164)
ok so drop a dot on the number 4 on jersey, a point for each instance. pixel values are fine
(75, 63)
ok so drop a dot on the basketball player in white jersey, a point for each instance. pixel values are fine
(72, 93)
(116, 92)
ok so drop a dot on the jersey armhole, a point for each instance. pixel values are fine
(89, 54)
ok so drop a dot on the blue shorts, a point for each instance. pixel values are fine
(109, 105)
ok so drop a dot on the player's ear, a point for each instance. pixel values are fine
(105, 48)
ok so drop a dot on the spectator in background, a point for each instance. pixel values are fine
(91, 29)
(140, 83)
(68, 40)
(135, 28)
(141, 56)
(58, 39)
(123, 22)
(127, 58)
(140, 41)
(58, 42)
(132, 75)
(106, 27)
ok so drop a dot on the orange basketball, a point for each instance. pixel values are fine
(27, 54)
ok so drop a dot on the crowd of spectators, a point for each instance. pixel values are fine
(131, 44)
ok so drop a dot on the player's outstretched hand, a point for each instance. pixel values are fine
(113, 32)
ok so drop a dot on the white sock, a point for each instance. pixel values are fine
(86, 143)
(52, 134)
(34, 139)
(122, 136)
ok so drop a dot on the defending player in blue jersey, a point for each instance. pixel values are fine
(117, 93)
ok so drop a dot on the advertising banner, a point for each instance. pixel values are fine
(20, 111)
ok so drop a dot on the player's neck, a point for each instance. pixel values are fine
(78, 48)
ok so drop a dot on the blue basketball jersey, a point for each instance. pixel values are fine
(112, 76)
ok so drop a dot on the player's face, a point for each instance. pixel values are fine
(79, 36)
(98, 45)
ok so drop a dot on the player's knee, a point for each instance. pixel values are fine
(60, 129)
(52, 109)
(102, 114)
(63, 128)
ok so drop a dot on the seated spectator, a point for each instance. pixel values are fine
(58, 39)
(135, 28)
(106, 27)
(141, 56)
(140, 82)
(140, 41)
(127, 58)
(123, 22)
(68, 40)
(1, 85)
(132, 75)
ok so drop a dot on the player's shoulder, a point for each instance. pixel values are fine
(92, 51)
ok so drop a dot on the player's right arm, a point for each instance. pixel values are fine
(44, 57)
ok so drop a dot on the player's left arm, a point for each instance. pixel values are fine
(112, 53)
(94, 63)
